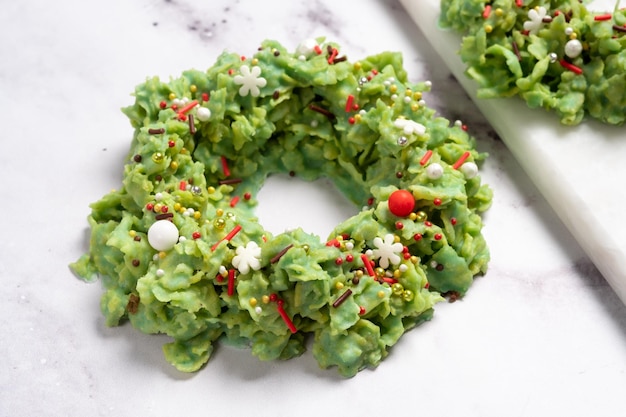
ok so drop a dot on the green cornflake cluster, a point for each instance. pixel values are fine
(555, 54)
(203, 145)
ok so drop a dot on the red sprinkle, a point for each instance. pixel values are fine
(438, 236)
(163, 104)
(349, 103)
(333, 54)
(247, 196)
(487, 11)
(351, 120)
(231, 281)
(317, 49)
(234, 201)
(519, 3)
(338, 261)
(426, 157)
(189, 106)
(205, 96)
(437, 201)
(361, 310)
(399, 225)
(225, 167)
(349, 258)
(462, 159)
(602, 17)
(228, 237)
(196, 235)
(368, 265)
(285, 317)
(571, 67)
(417, 237)
(182, 185)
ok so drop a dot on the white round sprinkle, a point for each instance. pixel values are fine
(573, 48)
(434, 171)
(258, 310)
(160, 272)
(163, 235)
(306, 47)
(469, 169)
(403, 268)
(203, 114)
(569, 31)
(158, 196)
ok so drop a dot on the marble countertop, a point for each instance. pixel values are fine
(541, 333)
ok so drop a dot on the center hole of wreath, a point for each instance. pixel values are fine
(315, 206)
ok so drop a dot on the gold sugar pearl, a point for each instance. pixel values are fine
(210, 190)
(339, 285)
(174, 165)
(415, 107)
(196, 215)
(306, 248)
(421, 216)
(380, 272)
(488, 28)
(162, 254)
(193, 88)
(254, 61)
(253, 302)
(393, 88)
(265, 299)
(396, 239)
(397, 288)
(219, 212)
(499, 12)
(408, 295)
(230, 214)
(408, 92)
(397, 274)
(412, 216)
(132, 233)
(219, 223)
(158, 157)
(573, 36)
(172, 96)
(381, 294)
(357, 118)
(358, 273)
(417, 95)
(177, 206)
(357, 65)
(414, 259)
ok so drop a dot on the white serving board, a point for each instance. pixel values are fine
(580, 170)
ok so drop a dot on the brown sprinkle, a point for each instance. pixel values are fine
(156, 131)
(133, 303)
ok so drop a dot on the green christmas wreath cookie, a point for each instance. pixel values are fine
(555, 54)
(180, 251)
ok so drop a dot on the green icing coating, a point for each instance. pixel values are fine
(555, 54)
(204, 144)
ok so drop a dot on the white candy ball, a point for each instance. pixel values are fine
(573, 48)
(163, 235)
(203, 114)
(306, 47)
(434, 171)
(469, 169)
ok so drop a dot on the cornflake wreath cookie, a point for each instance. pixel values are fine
(554, 54)
(180, 251)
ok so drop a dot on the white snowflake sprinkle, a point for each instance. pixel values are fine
(535, 22)
(247, 257)
(250, 81)
(409, 126)
(387, 250)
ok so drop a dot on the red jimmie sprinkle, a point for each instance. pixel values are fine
(487, 11)
(234, 201)
(368, 265)
(225, 167)
(229, 236)
(426, 157)
(462, 159)
(602, 17)
(571, 67)
(285, 317)
(349, 103)
(231, 281)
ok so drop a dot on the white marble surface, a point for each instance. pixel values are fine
(541, 333)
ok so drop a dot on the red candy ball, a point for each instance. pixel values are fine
(401, 203)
